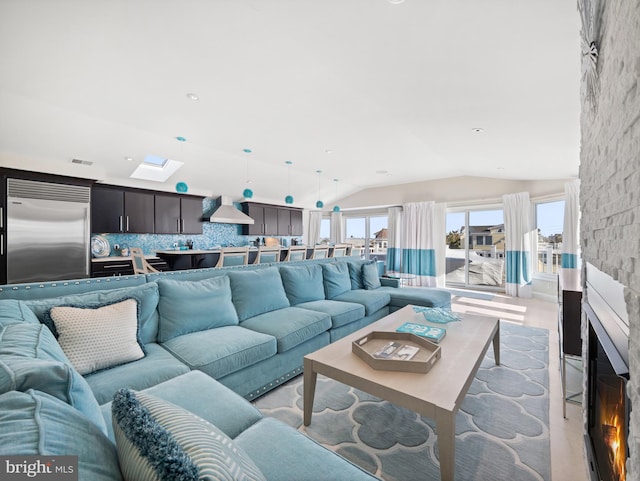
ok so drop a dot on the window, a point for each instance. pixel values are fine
(369, 231)
(325, 230)
(480, 260)
(550, 223)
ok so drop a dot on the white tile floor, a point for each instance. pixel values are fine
(567, 443)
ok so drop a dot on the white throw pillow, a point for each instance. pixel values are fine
(99, 338)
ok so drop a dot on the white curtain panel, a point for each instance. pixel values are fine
(394, 229)
(440, 241)
(315, 220)
(571, 263)
(337, 228)
(518, 238)
(418, 244)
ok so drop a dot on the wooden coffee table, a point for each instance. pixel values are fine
(437, 394)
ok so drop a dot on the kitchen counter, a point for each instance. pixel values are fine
(200, 258)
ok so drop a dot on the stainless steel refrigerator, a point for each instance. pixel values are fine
(48, 231)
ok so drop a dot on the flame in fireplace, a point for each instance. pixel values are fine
(613, 434)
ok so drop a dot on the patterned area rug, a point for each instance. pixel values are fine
(502, 429)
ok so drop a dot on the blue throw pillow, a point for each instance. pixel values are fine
(257, 291)
(303, 283)
(52, 377)
(33, 340)
(157, 440)
(370, 277)
(192, 306)
(355, 273)
(146, 295)
(336, 279)
(35, 423)
(14, 311)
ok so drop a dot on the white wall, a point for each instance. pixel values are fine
(451, 190)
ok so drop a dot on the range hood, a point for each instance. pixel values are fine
(226, 213)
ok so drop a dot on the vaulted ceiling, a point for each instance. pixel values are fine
(367, 91)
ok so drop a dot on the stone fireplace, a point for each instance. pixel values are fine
(607, 405)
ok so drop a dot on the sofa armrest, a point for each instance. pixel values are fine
(390, 281)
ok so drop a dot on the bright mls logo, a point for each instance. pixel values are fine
(52, 468)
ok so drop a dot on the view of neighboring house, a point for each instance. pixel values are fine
(486, 241)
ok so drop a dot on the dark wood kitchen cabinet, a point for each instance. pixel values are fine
(289, 222)
(175, 214)
(115, 210)
(265, 219)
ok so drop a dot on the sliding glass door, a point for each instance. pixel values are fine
(369, 232)
(475, 249)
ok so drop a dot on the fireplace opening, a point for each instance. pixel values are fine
(608, 407)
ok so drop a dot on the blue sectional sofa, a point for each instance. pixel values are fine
(198, 341)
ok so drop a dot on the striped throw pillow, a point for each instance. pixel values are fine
(157, 440)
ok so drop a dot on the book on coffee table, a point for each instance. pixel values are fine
(434, 334)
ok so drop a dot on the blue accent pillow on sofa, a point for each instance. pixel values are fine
(13, 311)
(35, 423)
(370, 278)
(146, 295)
(257, 291)
(336, 279)
(303, 283)
(192, 306)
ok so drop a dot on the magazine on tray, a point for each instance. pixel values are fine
(396, 351)
(434, 334)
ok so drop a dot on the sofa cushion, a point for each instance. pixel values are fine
(13, 311)
(336, 279)
(222, 350)
(191, 306)
(52, 377)
(418, 296)
(302, 283)
(35, 423)
(341, 313)
(194, 391)
(371, 300)
(157, 440)
(370, 278)
(284, 453)
(257, 291)
(147, 296)
(290, 326)
(99, 338)
(157, 366)
(355, 273)
(33, 340)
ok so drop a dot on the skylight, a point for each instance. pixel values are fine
(156, 168)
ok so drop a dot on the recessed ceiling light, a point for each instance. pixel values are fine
(129, 159)
(328, 151)
(382, 172)
(477, 130)
(192, 96)
(395, 2)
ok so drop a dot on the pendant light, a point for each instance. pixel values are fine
(181, 187)
(247, 193)
(289, 198)
(319, 203)
(336, 208)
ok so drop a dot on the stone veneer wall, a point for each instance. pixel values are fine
(610, 180)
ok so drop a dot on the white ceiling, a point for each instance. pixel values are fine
(384, 87)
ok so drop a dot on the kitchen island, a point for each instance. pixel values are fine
(179, 259)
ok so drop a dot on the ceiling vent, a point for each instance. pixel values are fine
(81, 162)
